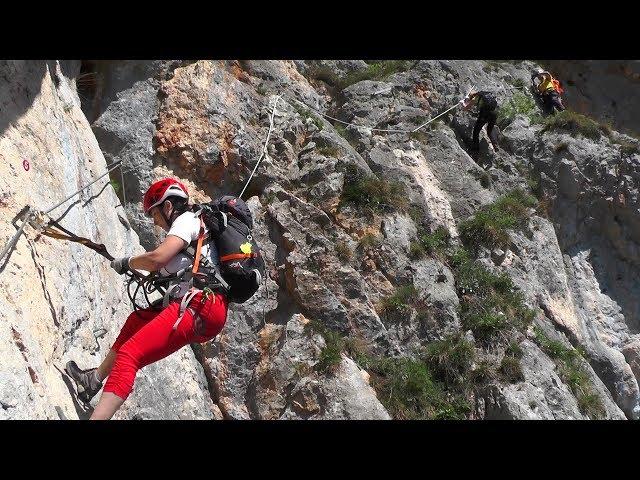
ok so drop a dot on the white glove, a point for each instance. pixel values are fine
(120, 265)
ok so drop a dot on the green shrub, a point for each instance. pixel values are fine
(575, 123)
(534, 181)
(261, 90)
(519, 103)
(436, 242)
(358, 349)
(303, 111)
(416, 250)
(555, 348)
(406, 387)
(519, 83)
(485, 324)
(375, 71)
(591, 405)
(483, 372)
(424, 314)
(416, 213)
(343, 251)
(373, 195)
(331, 354)
(399, 303)
(606, 128)
(408, 391)
(626, 148)
(572, 373)
(368, 240)
(458, 257)
(328, 151)
(561, 147)
(514, 350)
(489, 225)
(629, 148)
(490, 303)
(306, 113)
(450, 358)
(511, 370)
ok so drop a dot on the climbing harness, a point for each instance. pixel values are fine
(210, 282)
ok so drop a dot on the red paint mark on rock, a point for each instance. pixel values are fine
(25, 165)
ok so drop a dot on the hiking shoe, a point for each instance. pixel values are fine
(87, 385)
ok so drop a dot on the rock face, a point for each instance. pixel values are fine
(342, 213)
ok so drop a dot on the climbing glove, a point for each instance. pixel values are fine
(120, 265)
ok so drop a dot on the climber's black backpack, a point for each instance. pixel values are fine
(229, 221)
(488, 101)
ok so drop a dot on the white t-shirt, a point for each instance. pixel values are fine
(187, 227)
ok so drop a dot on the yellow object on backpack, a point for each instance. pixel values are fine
(550, 84)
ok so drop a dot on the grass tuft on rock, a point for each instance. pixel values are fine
(451, 358)
(575, 124)
(489, 226)
(490, 303)
(518, 104)
(572, 371)
(434, 243)
(399, 304)
(371, 194)
(408, 391)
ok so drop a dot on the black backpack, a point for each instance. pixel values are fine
(487, 101)
(229, 221)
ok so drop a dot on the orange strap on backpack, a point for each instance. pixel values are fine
(196, 259)
(556, 85)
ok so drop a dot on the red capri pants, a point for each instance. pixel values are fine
(148, 336)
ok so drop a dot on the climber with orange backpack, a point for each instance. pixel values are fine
(549, 90)
(207, 260)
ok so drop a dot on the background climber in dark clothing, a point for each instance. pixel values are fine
(549, 90)
(487, 105)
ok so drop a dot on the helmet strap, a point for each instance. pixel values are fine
(166, 219)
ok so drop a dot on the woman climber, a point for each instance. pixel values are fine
(148, 335)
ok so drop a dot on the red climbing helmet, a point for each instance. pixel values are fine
(160, 190)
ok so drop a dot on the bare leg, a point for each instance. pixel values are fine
(105, 367)
(107, 406)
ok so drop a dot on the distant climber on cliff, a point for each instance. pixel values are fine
(549, 90)
(487, 104)
(192, 314)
